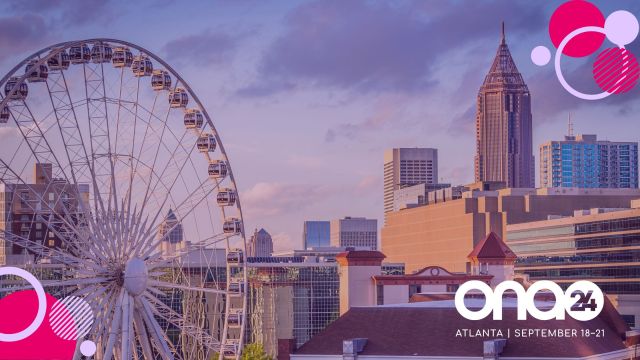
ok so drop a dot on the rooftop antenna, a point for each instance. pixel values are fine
(570, 126)
(502, 40)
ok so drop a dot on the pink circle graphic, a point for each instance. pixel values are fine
(616, 70)
(574, 15)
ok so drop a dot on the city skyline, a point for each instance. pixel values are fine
(335, 112)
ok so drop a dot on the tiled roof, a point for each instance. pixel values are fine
(425, 331)
(492, 247)
(362, 254)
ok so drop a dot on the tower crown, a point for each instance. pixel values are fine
(503, 71)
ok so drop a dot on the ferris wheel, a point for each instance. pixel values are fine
(117, 189)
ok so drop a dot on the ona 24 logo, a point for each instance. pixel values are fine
(583, 300)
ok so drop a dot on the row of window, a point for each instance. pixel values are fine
(608, 225)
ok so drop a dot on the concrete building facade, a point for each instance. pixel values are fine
(406, 167)
(356, 232)
(586, 162)
(443, 234)
(422, 194)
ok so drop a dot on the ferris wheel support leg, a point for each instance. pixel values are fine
(142, 336)
(156, 330)
(115, 327)
(126, 310)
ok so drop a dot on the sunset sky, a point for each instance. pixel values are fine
(308, 94)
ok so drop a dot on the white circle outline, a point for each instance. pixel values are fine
(561, 79)
(42, 304)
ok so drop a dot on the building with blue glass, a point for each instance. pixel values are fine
(316, 234)
(582, 161)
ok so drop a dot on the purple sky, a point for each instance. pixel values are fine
(308, 94)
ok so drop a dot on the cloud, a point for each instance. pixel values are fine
(204, 48)
(369, 184)
(20, 33)
(72, 12)
(272, 199)
(388, 111)
(283, 241)
(378, 46)
(306, 161)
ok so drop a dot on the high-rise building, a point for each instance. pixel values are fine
(260, 244)
(171, 235)
(504, 148)
(316, 234)
(406, 167)
(357, 232)
(35, 212)
(585, 162)
(600, 245)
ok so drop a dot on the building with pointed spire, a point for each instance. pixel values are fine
(171, 235)
(504, 145)
(260, 244)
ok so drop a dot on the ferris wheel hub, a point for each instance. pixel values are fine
(136, 276)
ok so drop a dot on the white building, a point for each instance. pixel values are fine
(406, 167)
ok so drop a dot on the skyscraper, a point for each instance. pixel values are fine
(316, 234)
(260, 244)
(406, 167)
(503, 125)
(583, 161)
(171, 233)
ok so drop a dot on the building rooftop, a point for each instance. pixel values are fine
(414, 330)
(492, 247)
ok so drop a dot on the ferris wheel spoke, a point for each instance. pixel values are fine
(116, 326)
(172, 317)
(45, 284)
(104, 315)
(43, 153)
(155, 330)
(160, 143)
(40, 249)
(159, 260)
(143, 337)
(129, 194)
(98, 119)
(127, 325)
(74, 144)
(168, 285)
(184, 209)
(39, 147)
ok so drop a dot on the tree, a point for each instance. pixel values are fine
(254, 352)
(250, 352)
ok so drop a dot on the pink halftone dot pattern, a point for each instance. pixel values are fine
(616, 70)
